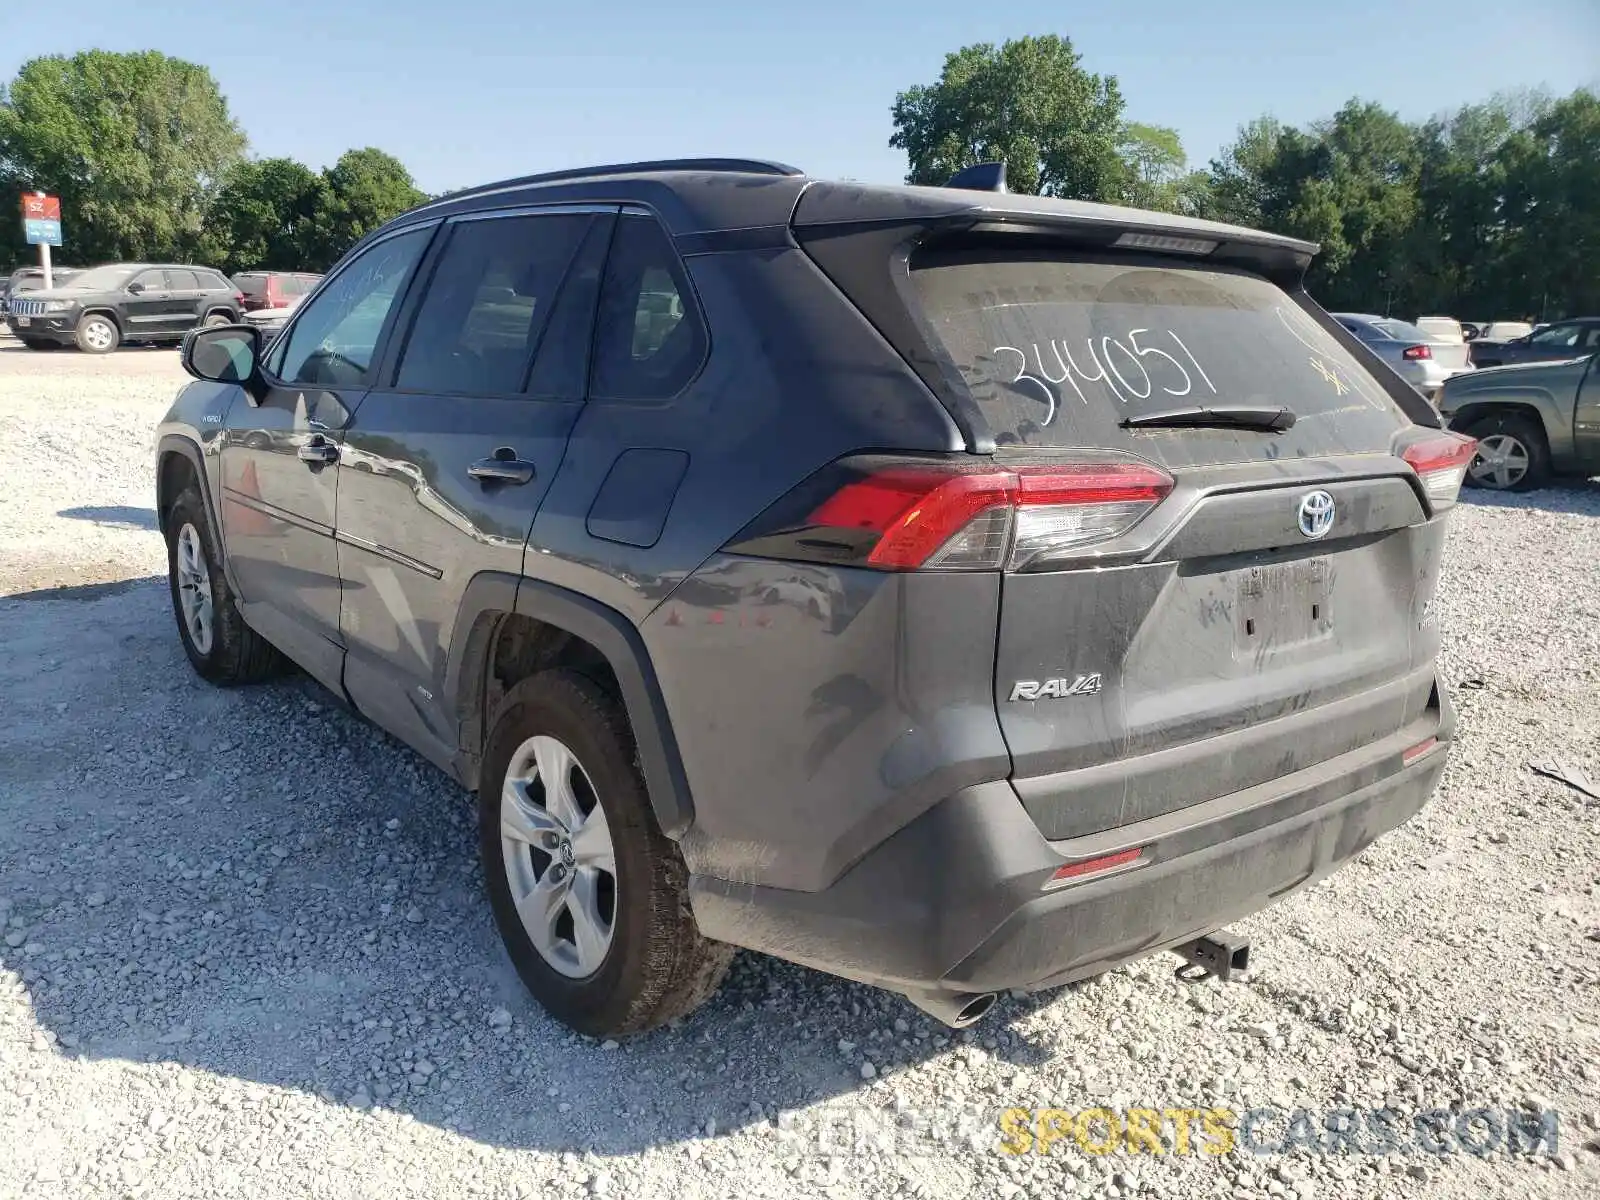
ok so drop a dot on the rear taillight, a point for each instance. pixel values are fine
(1441, 462)
(952, 515)
(1416, 352)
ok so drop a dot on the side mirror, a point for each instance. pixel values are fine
(226, 354)
(135, 288)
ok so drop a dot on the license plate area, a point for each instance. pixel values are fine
(1282, 604)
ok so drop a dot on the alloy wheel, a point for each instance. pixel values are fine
(559, 861)
(1501, 462)
(194, 589)
(99, 335)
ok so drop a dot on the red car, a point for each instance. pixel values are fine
(274, 289)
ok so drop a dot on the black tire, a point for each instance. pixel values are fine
(90, 336)
(237, 654)
(658, 966)
(1526, 432)
(216, 318)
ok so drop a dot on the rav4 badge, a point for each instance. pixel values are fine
(1055, 689)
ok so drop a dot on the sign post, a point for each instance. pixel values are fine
(41, 219)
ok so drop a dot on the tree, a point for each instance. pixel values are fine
(1487, 212)
(1155, 162)
(132, 143)
(1244, 179)
(263, 216)
(363, 190)
(1551, 207)
(1029, 103)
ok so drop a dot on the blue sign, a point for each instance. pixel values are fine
(46, 233)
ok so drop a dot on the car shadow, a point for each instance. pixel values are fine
(1577, 496)
(122, 516)
(254, 883)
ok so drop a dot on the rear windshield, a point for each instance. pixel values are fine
(251, 285)
(1057, 351)
(1402, 331)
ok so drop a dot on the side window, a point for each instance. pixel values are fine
(333, 341)
(1592, 340)
(488, 300)
(182, 281)
(649, 338)
(150, 281)
(211, 281)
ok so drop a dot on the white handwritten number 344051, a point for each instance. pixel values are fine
(1118, 377)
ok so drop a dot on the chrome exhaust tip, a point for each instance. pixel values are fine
(955, 1009)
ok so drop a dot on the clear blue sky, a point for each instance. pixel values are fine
(467, 91)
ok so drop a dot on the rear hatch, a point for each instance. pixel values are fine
(1270, 608)
(256, 290)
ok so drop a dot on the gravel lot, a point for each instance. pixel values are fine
(245, 950)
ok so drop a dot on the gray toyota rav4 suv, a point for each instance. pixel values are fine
(947, 589)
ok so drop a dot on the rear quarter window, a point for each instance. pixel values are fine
(1057, 350)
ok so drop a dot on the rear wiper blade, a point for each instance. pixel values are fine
(1227, 416)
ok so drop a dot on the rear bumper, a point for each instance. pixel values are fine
(957, 902)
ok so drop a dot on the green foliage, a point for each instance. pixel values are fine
(364, 189)
(263, 216)
(150, 166)
(1029, 102)
(1154, 162)
(132, 143)
(1490, 212)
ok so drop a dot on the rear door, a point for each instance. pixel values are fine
(253, 287)
(187, 299)
(1272, 612)
(446, 464)
(1586, 415)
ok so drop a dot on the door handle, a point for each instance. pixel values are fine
(504, 467)
(319, 451)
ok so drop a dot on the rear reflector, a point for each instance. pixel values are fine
(1095, 866)
(1416, 352)
(1441, 462)
(954, 514)
(1417, 751)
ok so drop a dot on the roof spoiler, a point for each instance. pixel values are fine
(980, 177)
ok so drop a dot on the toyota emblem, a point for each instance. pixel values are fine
(1316, 514)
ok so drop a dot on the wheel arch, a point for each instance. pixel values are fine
(1481, 410)
(178, 463)
(575, 626)
(106, 311)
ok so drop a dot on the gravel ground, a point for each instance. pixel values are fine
(245, 950)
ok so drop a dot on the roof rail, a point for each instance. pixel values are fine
(739, 166)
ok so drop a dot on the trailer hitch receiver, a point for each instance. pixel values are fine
(1220, 954)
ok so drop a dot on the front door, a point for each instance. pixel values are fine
(147, 307)
(280, 459)
(445, 466)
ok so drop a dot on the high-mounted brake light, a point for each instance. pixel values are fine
(1416, 352)
(1441, 463)
(1164, 242)
(954, 515)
